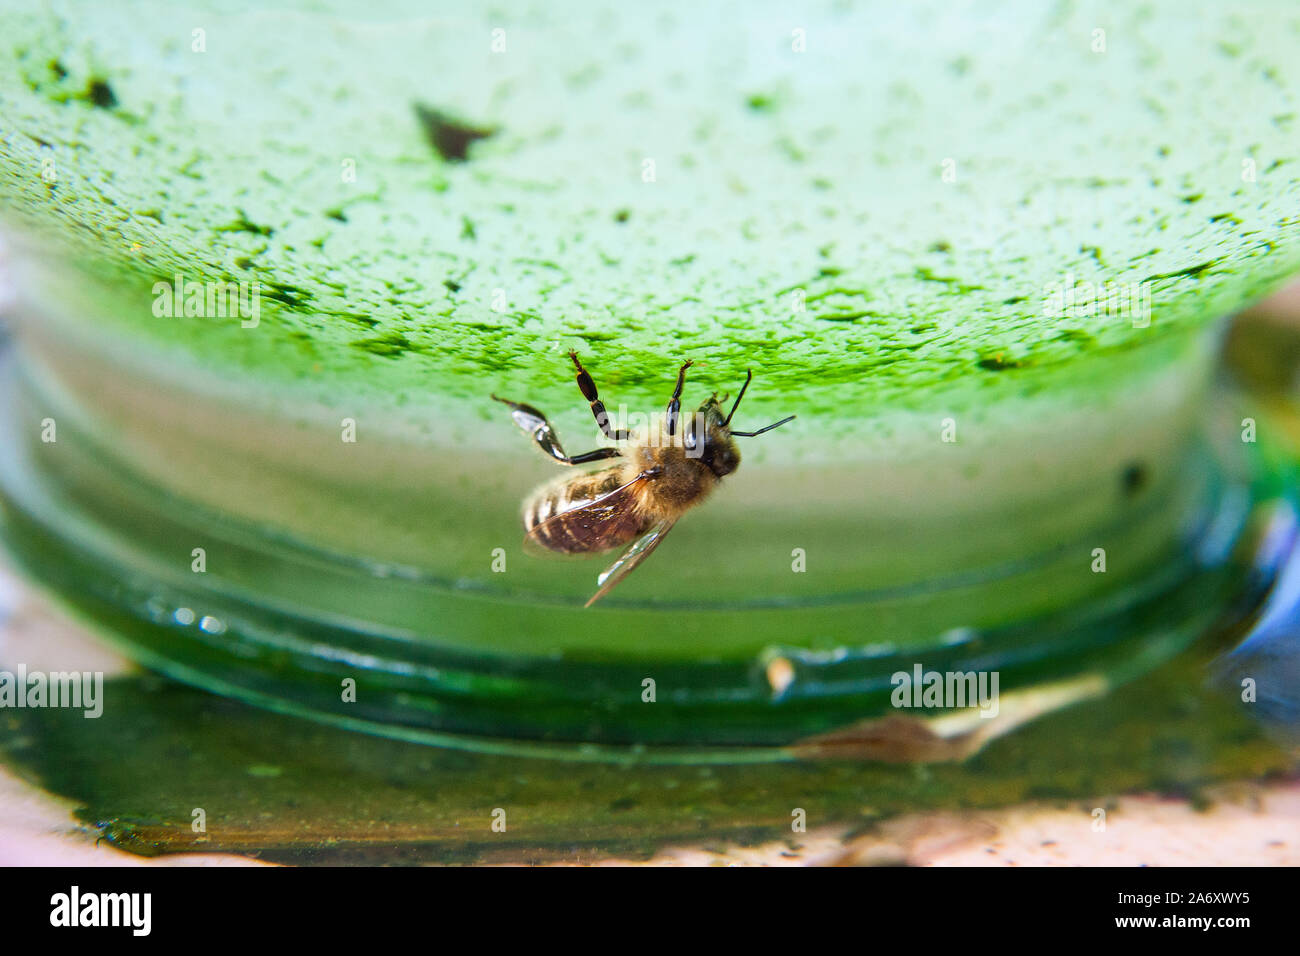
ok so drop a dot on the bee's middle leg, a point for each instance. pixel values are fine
(535, 424)
(597, 406)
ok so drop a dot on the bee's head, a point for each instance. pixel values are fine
(709, 439)
(709, 436)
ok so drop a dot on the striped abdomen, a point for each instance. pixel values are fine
(566, 517)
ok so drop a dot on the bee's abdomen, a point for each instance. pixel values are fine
(555, 517)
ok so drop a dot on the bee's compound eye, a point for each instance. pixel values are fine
(721, 457)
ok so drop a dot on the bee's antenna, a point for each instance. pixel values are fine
(749, 374)
(761, 430)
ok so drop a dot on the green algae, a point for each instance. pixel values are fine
(450, 137)
(477, 271)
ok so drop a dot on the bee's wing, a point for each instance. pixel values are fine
(596, 519)
(639, 550)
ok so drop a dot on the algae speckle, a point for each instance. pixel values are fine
(1133, 479)
(388, 345)
(450, 137)
(241, 223)
(1191, 272)
(99, 93)
(287, 294)
(1001, 361)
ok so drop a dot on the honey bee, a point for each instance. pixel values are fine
(666, 470)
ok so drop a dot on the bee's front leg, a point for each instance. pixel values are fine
(675, 403)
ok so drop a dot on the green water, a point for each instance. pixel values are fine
(160, 750)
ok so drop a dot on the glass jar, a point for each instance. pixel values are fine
(314, 504)
(361, 562)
